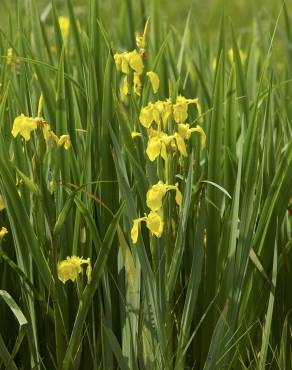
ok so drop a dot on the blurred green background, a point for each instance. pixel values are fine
(205, 13)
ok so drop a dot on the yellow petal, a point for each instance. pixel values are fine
(146, 116)
(89, 271)
(183, 130)
(3, 232)
(137, 84)
(153, 148)
(64, 26)
(65, 140)
(24, 126)
(154, 79)
(69, 268)
(118, 61)
(178, 197)
(155, 224)
(181, 145)
(135, 229)
(200, 130)
(155, 196)
(135, 134)
(180, 110)
(135, 61)
(124, 89)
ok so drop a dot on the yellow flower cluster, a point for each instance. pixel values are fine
(3, 232)
(70, 268)
(132, 61)
(154, 199)
(26, 125)
(157, 114)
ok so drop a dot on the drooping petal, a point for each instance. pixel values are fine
(137, 84)
(181, 145)
(124, 89)
(155, 224)
(155, 196)
(154, 79)
(153, 148)
(135, 61)
(146, 116)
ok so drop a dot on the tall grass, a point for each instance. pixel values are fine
(213, 292)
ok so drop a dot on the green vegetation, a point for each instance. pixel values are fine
(206, 285)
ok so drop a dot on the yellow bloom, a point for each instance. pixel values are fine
(185, 132)
(149, 114)
(181, 145)
(154, 223)
(69, 268)
(64, 27)
(157, 143)
(156, 193)
(3, 232)
(135, 134)
(24, 126)
(2, 204)
(135, 61)
(155, 196)
(155, 113)
(137, 84)
(180, 108)
(65, 140)
(124, 89)
(154, 79)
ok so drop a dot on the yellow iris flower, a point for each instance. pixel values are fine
(156, 193)
(69, 268)
(155, 113)
(180, 108)
(126, 60)
(157, 144)
(24, 126)
(154, 79)
(3, 232)
(185, 132)
(154, 223)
